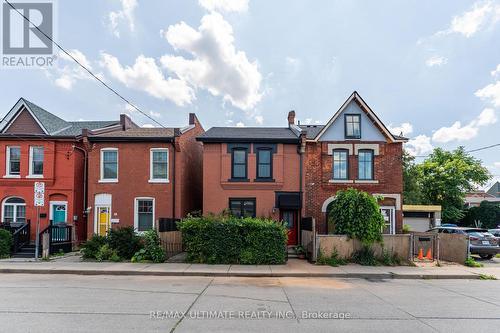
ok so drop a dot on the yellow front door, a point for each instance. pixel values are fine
(102, 220)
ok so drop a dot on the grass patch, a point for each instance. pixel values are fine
(470, 262)
(498, 255)
(487, 277)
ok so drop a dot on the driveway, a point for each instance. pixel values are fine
(77, 303)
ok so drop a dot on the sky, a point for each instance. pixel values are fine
(429, 69)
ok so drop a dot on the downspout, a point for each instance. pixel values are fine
(301, 151)
(85, 166)
(176, 135)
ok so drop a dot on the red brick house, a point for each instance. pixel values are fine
(36, 145)
(291, 172)
(354, 149)
(253, 172)
(138, 175)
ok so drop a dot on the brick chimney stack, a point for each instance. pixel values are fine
(291, 117)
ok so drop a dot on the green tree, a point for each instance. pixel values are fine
(488, 213)
(445, 178)
(357, 214)
(412, 193)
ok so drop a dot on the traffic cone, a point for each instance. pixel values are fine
(420, 254)
(429, 255)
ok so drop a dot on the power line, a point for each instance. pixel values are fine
(86, 69)
(469, 151)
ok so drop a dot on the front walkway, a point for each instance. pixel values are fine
(293, 268)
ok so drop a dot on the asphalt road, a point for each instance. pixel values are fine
(72, 303)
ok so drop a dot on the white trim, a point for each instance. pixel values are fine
(392, 196)
(366, 181)
(30, 167)
(392, 217)
(7, 163)
(369, 146)
(367, 110)
(96, 218)
(340, 181)
(333, 146)
(102, 200)
(51, 209)
(101, 166)
(18, 112)
(14, 215)
(136, 212)
(324, 207)
(158, 180)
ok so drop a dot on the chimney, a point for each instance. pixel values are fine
(291, 117)
(192, 118)
(125, 122)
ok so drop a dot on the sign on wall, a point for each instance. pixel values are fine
(39, 194)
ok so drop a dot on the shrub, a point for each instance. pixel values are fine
(152, 248)
(365, 256)
(91, 247)
(470, 262)
(406, 229)
(357, 215)
(334, 259)
(106, 253)
(125, 241)
(227, 239)
(390, 259)
(5, 243)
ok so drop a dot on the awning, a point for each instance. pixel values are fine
(288, 200)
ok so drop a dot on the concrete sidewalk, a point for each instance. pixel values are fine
(293, 268)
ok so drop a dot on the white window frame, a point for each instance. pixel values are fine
(157, 180)
(7, 163)
(30, 173)
(102, 200)
(136, 212)
(58, 203)
(109, 180)
(14, 216)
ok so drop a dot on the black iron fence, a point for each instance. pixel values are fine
(20, 233)
(60, 237)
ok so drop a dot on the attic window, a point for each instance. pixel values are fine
(352, 126)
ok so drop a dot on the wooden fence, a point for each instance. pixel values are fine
(171, 242)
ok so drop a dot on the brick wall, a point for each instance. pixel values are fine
(318, 171)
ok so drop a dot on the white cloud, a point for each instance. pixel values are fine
(436, 61)
(259, 119)
(240, 124)
(405, 128)
(490, 92)
(125, 14)
(481, 15)
(154, 114)
(497, 164)
(457, 132)
(215, 65)
(225, 5)
(148, 126)
(146, 76)
(419, 145)
(69, 72)
(496, 71)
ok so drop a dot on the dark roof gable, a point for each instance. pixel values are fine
(249, 134)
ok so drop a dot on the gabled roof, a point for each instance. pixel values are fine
(495, 189)
(249, 134)
(311, 130)
(51, 124)
(137, 134)
(362, 104)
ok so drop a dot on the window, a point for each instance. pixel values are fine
(144, 214)
(264, 163)
(109, 164)
(242, 207)
(158, 165)
(14, 210)
(340, 164)
(13, 160)
(239, 163)
(36, 161)
(365, 164)
(352, 126)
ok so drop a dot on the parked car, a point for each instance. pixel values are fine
(449, 225)
(495, 232)
(482, 242)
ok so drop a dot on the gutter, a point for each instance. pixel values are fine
(85, 167)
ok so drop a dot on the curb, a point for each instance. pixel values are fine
(376, 276)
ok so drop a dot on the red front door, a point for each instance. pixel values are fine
(289, 217)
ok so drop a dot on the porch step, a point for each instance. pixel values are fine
(27, 251)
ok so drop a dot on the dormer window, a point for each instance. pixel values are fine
(352, 126)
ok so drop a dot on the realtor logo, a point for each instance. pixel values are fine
(27, 28)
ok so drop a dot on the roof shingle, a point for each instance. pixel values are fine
(221, 134)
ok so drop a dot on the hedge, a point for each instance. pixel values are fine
(232, 240)
(5, 243)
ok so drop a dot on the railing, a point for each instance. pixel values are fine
(60, 237)
(21, 237)
(20, 233)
